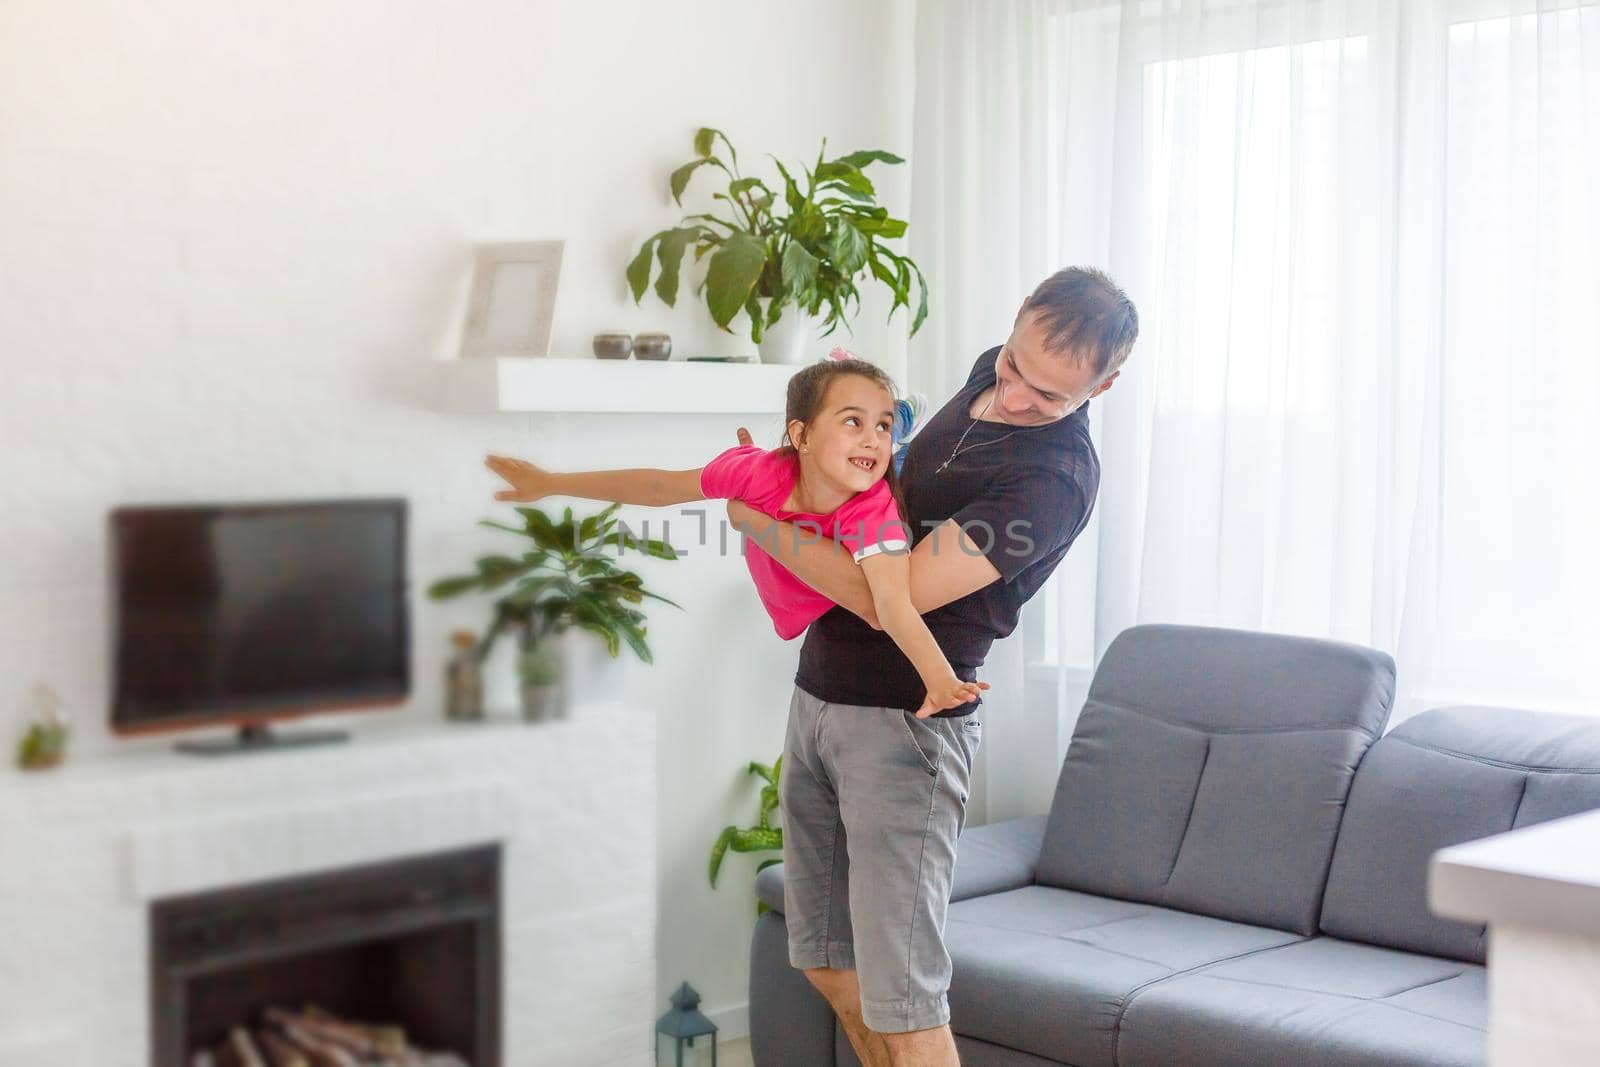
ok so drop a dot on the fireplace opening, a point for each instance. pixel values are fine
(410, 947)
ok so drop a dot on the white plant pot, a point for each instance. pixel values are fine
(790, 338)
(588, 673)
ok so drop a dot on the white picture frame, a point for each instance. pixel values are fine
(513, 299)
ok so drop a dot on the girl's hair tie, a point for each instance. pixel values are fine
(841, 353)
(907, 410)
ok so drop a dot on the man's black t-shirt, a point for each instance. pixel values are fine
(1022, 495)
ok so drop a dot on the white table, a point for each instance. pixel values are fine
(1538, 889)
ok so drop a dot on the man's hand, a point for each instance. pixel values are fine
(951, 693)
(529, 483)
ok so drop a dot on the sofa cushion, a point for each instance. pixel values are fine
(1209, 769)
(1441, 778)
(970, 1049)
(1047, 971)
(1318, 1003)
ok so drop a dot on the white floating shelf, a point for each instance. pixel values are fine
(610, 385)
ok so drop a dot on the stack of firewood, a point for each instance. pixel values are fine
(316, 1038)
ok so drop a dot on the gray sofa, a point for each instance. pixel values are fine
(1231, 874)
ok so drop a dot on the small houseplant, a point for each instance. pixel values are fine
(803, 250)
(568, 580)
(45, 742)
(762, 837)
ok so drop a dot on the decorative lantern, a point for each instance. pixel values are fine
(677, 1030)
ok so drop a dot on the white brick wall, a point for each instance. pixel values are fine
(233, 237)
(90, 846)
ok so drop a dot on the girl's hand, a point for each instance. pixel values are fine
(528, 482)
(951, 693)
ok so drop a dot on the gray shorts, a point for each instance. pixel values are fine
(872, 800)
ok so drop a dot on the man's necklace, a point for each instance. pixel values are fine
(962, 440)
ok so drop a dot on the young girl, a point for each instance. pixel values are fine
(834, 475)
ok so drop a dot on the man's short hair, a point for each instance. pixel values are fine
(1085, 316)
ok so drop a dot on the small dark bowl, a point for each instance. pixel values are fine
(652, 346)
(612, 345)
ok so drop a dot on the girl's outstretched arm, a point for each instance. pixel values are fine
(646, 486)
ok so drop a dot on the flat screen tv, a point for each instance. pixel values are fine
(248, 613)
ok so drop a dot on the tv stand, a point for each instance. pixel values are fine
(260, 738)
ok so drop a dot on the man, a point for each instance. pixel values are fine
(998, 483)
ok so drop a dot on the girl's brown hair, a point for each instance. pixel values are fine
(809, 387)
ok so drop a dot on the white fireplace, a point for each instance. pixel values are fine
(88, 848)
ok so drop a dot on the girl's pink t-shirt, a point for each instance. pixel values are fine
(865, 524)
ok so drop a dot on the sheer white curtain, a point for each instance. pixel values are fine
(1364, 239)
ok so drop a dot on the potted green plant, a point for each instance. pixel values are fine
(803, 251)
(569, 580)
(762, 837)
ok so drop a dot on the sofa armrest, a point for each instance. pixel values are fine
(769, 887)
(997, 857)
(989, 859)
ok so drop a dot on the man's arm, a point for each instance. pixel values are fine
(945, 566)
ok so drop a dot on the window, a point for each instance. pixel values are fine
(1370, 317)
(1518, 575)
